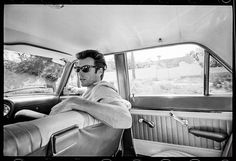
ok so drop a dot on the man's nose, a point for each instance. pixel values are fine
(79, 74)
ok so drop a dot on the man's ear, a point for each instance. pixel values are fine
(100, 71)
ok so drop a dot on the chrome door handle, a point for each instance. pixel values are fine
(151, 124)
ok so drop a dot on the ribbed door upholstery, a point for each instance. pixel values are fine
(168, 130)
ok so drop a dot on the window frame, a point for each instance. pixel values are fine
(123, 75)
(207, 55)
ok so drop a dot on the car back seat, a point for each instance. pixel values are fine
(227, 151)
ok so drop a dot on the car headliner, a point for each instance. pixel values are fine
(117, 28)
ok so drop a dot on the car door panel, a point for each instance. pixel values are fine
(168, 133)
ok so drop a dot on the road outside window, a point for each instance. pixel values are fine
(220, 78)
(167, 70)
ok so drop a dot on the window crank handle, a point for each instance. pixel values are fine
(149, 123)
(183, 122)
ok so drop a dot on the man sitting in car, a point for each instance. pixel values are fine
(101, 99)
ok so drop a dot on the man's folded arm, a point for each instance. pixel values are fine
(115, 113)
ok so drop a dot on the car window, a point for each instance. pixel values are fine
(220, 78)
(30, 74)
(110, 73)
(167, 70)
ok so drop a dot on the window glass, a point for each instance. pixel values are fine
(109, 76)
(166, 71)
(30, 74)
(110, 73)
(220, 78)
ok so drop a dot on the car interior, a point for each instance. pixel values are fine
(181, 107)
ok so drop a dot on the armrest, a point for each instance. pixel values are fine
(216, 136)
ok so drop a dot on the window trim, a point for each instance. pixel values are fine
(206, 69)
(121, 64)
(65, 77)
(210, 54)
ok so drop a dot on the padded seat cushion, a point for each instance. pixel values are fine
(173, 153)
(21, 139)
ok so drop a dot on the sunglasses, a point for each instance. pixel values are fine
(85, 68)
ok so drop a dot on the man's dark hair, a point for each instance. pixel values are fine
(99, 60)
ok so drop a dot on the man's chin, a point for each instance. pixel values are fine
(84, 85)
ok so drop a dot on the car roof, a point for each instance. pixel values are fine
(118, 28)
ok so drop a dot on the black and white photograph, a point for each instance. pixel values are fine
(130, 81)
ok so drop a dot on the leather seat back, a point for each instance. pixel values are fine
(95, 140)
(100, 140)
(87, 137)
(21, 139)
